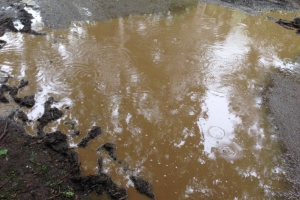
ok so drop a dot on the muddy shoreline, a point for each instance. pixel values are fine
(281, 99)
(48, 159)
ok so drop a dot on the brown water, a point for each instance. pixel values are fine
(179, 95)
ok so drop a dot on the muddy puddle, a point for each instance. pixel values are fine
(177, 93)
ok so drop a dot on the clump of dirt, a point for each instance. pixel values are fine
(73, 129)
(100, 164)
(110, 148)
(93, 133)
(27, 101)
(23, 83)
(291, 25)
(2, 43)
(22, 116)
(50, 114)
(142, 186)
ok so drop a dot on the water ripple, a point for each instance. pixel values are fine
(216, 132)
(83, 70)
(229, 151)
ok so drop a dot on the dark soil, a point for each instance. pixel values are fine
(52, 165)
(101, 183)
(43, 166)
(22, 116)
(36, 168)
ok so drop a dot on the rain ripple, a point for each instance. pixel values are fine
(229, 151)
(82, 70)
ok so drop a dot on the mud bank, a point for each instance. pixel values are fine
(52, 165)
(15, 18)
(254, 7)
(43, 160)
(281, 99)
(59, 14)
(48, 159)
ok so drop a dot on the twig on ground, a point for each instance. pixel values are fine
(68, 173)
(1, 186)
(4, 131)
(54, 196)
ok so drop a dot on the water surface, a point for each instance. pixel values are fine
(178, 93)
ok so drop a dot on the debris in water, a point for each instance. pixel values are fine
(142, 186)
(93, 133)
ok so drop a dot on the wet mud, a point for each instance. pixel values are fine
(142, 186)
(49, 115)
(27, 101)
(101, 183)
(12, 11)
(93, 133)
(110, 148)
(22, 116)
(291, 25)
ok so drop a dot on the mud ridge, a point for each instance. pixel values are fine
(27, 101)
(92, 134)
(141, 185)
(291, 25)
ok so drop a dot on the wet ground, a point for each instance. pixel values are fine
(180, 93)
